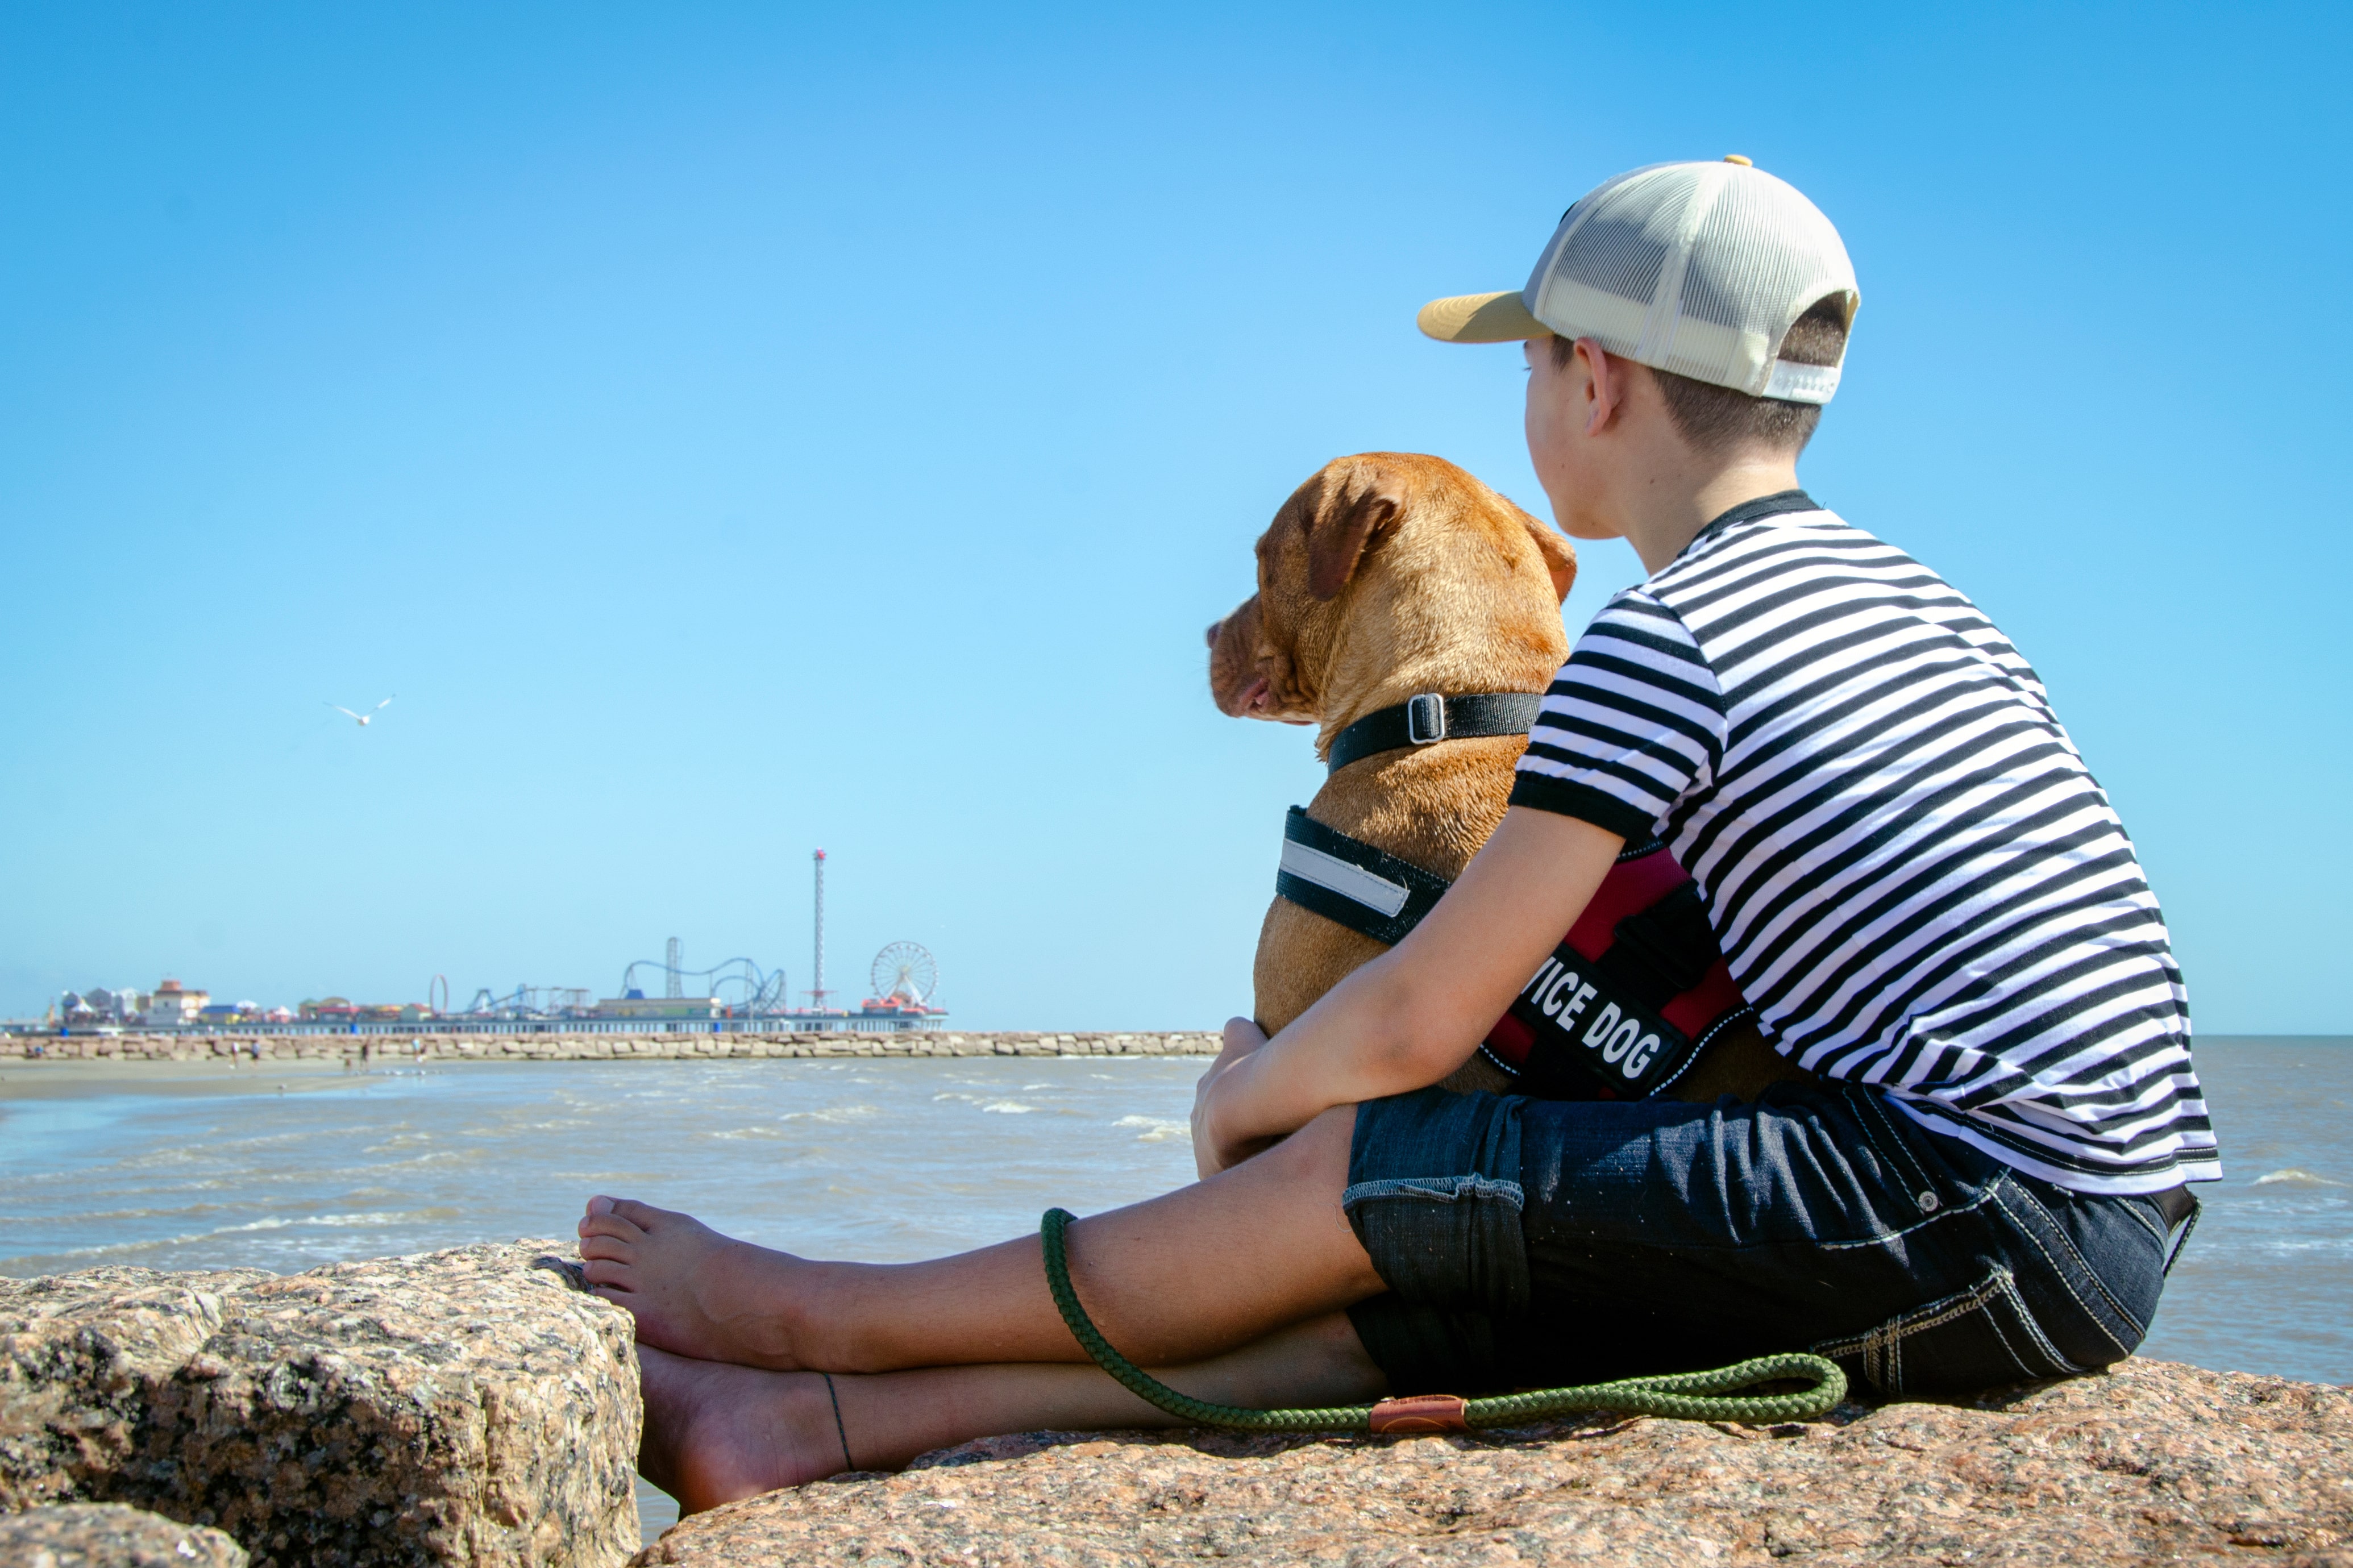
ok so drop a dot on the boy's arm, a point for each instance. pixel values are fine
(1415, 1014)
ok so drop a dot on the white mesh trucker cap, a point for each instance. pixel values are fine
(1698, 269)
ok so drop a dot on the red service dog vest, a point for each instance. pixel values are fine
(1628, 1001)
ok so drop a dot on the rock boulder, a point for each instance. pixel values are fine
(107, 1535)
(455, 1407)
(2154, 1462)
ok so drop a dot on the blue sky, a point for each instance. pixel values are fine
(734, 430)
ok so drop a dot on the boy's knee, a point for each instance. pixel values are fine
(1433, 1194)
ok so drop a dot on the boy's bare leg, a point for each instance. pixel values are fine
(1173, 1281)
(715, 1432)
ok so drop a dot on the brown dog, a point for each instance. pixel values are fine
(1387, 575)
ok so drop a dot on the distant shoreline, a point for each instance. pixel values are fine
(26, 1058)
(21, 1054)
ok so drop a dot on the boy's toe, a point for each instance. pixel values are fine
(609, 1225)
(645, 1216)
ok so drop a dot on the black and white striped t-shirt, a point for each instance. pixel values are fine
(1916, 881)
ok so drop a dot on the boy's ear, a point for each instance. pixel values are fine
(1343, 529)
(1559, 554)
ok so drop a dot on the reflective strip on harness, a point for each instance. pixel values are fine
(1623, 1006)
(1351, 881)
(1348, 881)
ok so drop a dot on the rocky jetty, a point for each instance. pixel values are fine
(469, 1408)
(2154, 1463)
(107, 1535)
(456, 1408)
(409, 1045)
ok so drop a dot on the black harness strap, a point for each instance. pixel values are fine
(1350, 883)
(1370, 890)
(1429, 718)
(1589, 1023)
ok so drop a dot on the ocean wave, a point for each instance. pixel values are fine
(410, 1217)
(1157, 1129)
(504, 1129)
(372, 1220)
(2296, 1175)
(2301, 1250)
(1002, 1106)
(833, 1113)
(97, 1217)
(213, 1144)
(437, 1157)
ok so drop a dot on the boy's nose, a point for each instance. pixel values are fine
(1214, 627)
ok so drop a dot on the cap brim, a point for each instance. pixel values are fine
(1481, 319)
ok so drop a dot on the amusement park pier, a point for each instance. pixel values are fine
(655, 998)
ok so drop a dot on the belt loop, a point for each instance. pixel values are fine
(2180, 1237)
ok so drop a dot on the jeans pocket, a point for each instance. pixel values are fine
(1444, 1241)
(1975, 1339)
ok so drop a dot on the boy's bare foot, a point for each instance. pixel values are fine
(692, 1291)
(715, 1433)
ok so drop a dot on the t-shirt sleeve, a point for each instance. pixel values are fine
(1632, 724)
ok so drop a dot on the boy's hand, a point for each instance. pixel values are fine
(1242, 1037)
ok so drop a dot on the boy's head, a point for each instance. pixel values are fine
(1698, 307)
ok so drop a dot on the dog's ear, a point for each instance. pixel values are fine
(1559, 554)
(1342, 530)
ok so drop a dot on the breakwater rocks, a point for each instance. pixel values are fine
(469, 1408)
(456, 1408)
(595, 1047)
(107, 1535)
(2155, 1462)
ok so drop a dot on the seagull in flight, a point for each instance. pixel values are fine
(363, 718)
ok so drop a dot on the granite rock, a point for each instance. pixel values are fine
(454, 1407)
(2151, 1463)
(107, 1535)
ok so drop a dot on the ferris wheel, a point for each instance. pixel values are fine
(904, 972)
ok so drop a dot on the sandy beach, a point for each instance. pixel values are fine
(53, 1080)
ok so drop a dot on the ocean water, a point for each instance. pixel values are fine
(874, 1159)
(208, 1167)
(198, 1166)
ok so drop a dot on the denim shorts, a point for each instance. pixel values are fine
(1535, 1242)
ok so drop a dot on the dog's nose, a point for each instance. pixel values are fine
(1215, 626)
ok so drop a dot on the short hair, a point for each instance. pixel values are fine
(1715, 418)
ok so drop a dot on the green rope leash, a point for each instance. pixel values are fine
(1686, 1396)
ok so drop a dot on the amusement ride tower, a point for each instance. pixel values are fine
(817, 992)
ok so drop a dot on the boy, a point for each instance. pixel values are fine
(1914, 877)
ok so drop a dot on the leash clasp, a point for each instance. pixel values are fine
(1425, 719)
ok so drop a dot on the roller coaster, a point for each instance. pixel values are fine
(753, 989)
(904, 977)
(522, 1002)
